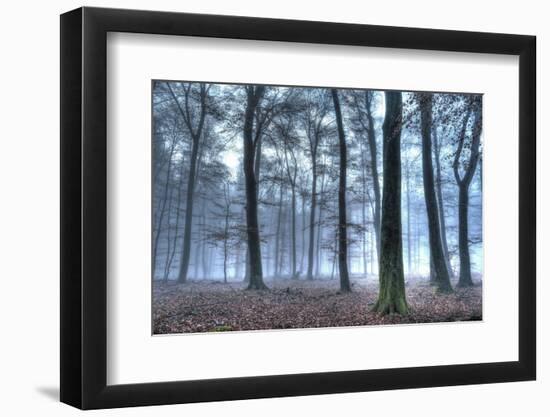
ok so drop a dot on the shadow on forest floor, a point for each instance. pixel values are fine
(211, 306)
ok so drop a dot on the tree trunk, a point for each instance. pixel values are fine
(225, 248)
(303, 234)
(440, 206)
(374, 168)
(246, 278)
(237, 267)
(391, 297)
(254, 95)
(320, 225)
(283, 238)
(163, 206)
(257, 165)
(312, 216)
(178, 209)
(436, 250)
(168, 235)
(465, 278)
(342, 222)
(364, 224)
(335, 257)
(195, 136)
(293, 232)
(277, 233)
(417, 244)
(408, 176)
(364, 201)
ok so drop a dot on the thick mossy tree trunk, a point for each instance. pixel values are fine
(254, 96)
(437, 258)
(345, 285)
(391, 297)
(465, 277)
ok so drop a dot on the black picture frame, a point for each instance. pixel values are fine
(84, 207)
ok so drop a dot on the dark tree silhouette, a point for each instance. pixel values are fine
(254, 95)
(164, 196)
(291, 168)
(440, 201)
(195, 126)
(391, 297)
(314, 124)
(363, 103)
(474, 106)
(342, 221)
(369, 97)
(437, 257)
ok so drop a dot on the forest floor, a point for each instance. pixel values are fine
(211, 306)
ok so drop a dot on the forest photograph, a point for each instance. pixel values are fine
(289, 207)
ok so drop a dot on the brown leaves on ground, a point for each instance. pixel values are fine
(207, 306)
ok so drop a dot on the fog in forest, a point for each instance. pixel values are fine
(199, 217)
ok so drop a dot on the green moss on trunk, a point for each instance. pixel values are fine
(391, 298)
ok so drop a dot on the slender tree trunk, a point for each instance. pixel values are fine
(374, 168)
(345, 285)
(436, 250)
(205, 266)
(293, 232)
(177, 225)
(254, 95)
(391, 297)
(268, 271)
(162, 212)
(320, 225)
(418, 245)
(408, 176)
(168, 235)
(226, 231)
(364, 223)
(237, 269)
(258, 164)
(195, 136)
(335, 257)
(364, 198)
(277, 233)
(312, 216)
(196, 251)
(440, 203)
(283, 238)
(465, 278)
(318, 242)
(303, 234)
(291, 172)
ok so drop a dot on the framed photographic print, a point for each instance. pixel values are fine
(255, 208)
